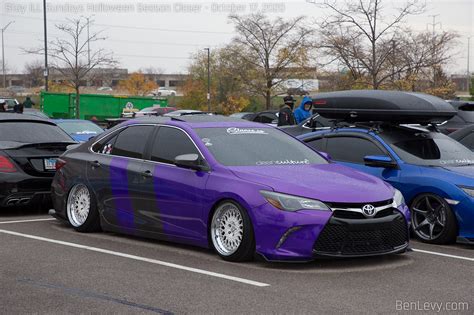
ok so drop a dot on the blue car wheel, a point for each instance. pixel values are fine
(432, 219)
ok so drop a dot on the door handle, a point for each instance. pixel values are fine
(95, 164)
(147, 174)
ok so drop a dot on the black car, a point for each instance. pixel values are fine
(29, 147)
(465, 136)
(264, 117)
(311, 124)
(464, 117)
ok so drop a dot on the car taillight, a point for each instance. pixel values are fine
(6, 166)
(59, 164)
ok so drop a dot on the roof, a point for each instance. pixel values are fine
(378, 105)
(198, 121)
(20, 117)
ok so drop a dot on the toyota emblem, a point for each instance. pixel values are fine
(368, 210)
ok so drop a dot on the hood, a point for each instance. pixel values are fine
(464, 175)
(325, 182)
(305, 100)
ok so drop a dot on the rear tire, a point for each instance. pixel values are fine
(231, 232)
(81, 209)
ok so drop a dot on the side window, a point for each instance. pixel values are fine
(131, 141)
(351, 149)
(105, 145)
(169, 143)
(317, 144)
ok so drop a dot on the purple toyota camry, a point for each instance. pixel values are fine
(241, 188)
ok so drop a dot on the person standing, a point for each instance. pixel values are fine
(304, 110)
(285, 115)
(28, 103)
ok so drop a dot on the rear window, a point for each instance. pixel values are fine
(32, 132)
(80, 128)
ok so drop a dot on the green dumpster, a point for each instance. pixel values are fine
(62, 105)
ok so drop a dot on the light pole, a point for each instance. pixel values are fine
(3, 54)
(46, 71)
(468, 71)
(208, 79)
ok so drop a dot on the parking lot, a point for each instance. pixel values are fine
(46, 267)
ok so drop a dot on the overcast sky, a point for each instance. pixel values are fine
(163, 34)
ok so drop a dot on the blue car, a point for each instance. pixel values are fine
(80, 130)
(434, 172)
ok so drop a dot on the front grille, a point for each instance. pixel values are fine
(376, 236)
(345, 214)
(342, 205)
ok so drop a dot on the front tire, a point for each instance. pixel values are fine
(433, 220)
(81, 209)
(231, 232)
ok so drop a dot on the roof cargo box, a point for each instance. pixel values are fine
(377, 105)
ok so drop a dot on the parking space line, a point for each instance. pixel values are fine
(26, 221)
(442, 254)
(138, 258)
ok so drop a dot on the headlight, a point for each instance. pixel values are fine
(292, 203)
(469, 191)
(398, 199)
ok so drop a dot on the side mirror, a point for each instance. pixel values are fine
(325, 155)
(191, 161)
(380, 161)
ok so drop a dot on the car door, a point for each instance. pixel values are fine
(175, 195)
(350, 150)
(114, 174)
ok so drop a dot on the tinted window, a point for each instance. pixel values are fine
(169, 143)
(131, 141)
(31, 132)
(317, 144)
(468, 140)
(105, 145)
(256, 146)
(351, 149)
(438, 151)
(266, 118)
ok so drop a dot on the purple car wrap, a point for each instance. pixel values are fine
(299, 204)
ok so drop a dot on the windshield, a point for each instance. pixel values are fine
(83, 127)
(434, 150)
(31, 132)
(256, 147)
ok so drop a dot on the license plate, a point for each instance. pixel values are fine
(50, 164)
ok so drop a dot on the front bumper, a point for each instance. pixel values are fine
(305, 235)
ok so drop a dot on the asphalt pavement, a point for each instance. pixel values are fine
(47, 267)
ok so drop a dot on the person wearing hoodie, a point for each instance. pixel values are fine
(304, 110)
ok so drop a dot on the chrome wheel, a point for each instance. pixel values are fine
(429, 216)
(227, 229)
(78, 205)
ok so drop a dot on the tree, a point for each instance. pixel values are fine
(71, 57)
(273, 50)
(34, 71)
(229, 94)
(138, 84)
(471, 90)
(361, 36)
